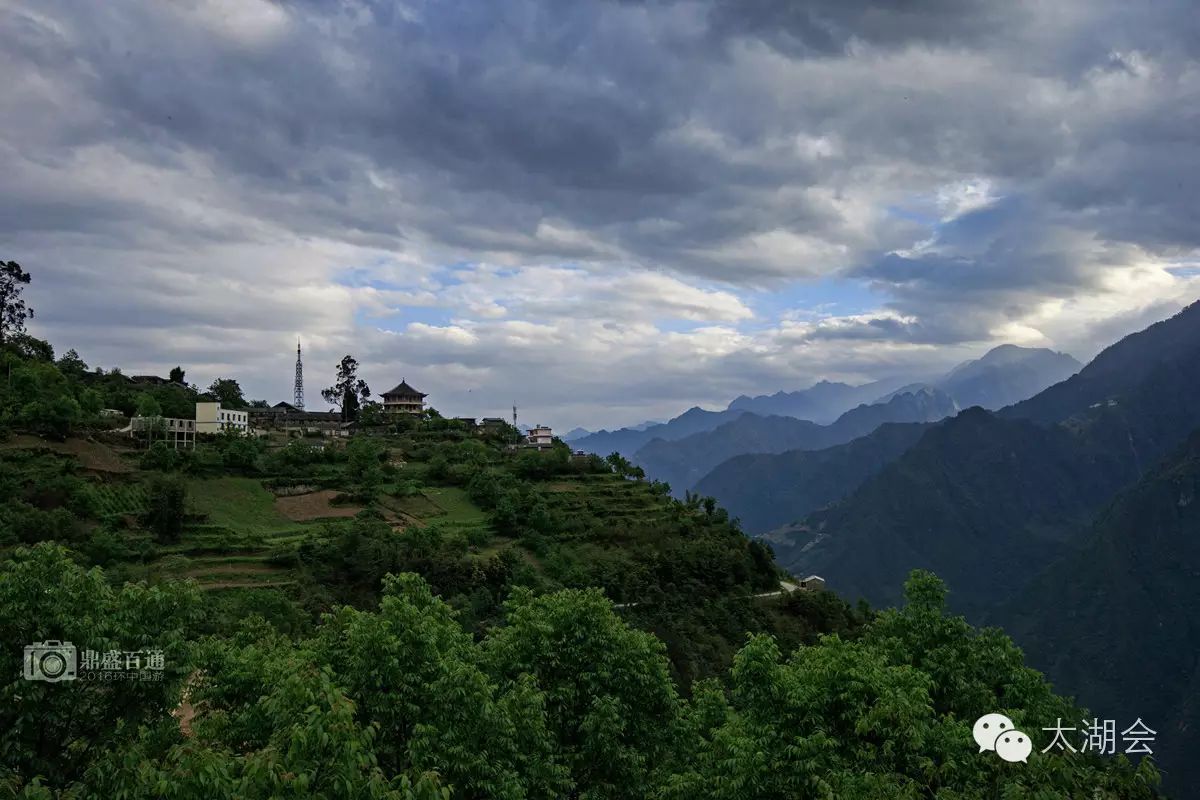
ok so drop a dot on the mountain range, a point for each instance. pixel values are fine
(683, 462)
(768, 490)
(1068, 518)
(823, 402)
(684, 449)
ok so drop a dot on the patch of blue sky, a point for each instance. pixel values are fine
(836, 297)
(402, 316)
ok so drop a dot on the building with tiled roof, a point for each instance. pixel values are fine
(403, 399)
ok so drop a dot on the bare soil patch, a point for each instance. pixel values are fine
(314, 505)
(92, 455)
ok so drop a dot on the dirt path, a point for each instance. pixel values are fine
(246, 585)
(785, 587)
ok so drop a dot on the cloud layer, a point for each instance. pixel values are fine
(602, 211)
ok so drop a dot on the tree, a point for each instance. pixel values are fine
(227, 392)
(176, 375)
(90, 402)
(882, 715)
(147, 406)
(619, 463)
(13, 311)
(349, 391)
(166, 502)
(71, 365)
(371, 414)
(40, 399)
(54, 730)
(239, 452)
(365, 463)
(610, 704)
(30, 348)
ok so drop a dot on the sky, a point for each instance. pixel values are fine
(602, 211)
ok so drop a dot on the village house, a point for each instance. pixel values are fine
(539, 436)
(211, 418)
(403, 399)
(813, 583)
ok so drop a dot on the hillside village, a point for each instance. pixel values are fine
(398, 408)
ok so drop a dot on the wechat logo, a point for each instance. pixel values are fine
(996, 732)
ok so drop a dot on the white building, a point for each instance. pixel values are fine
(211, 418)
(174, 431)
(539, 436)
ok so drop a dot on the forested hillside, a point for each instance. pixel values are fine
(423, 611)
(1116, 621)
(767, 490)
(980, 500)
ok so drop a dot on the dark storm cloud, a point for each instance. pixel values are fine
(750, 143)
(826, 27)
(579, 111)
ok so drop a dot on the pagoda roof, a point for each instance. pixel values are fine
(402, 389)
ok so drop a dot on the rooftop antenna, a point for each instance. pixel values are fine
(298, 391)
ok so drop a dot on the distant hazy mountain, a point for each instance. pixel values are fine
(1006, 374)
(767, 490)
(823, 402)
(987, 500)
(627, 441)
(579, 433)
(683, 462)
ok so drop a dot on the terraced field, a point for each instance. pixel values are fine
(233, 547)
(119, 499)
(448, 506)
(606, 497)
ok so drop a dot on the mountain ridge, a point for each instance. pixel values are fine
(685, 461)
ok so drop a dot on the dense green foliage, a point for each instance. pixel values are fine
(562, 699)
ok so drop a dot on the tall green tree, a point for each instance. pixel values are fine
(71, 365)
(610, 703)
(13, 310)
(166, 506)
(176, 375)
(349, 391)
(227, 392)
